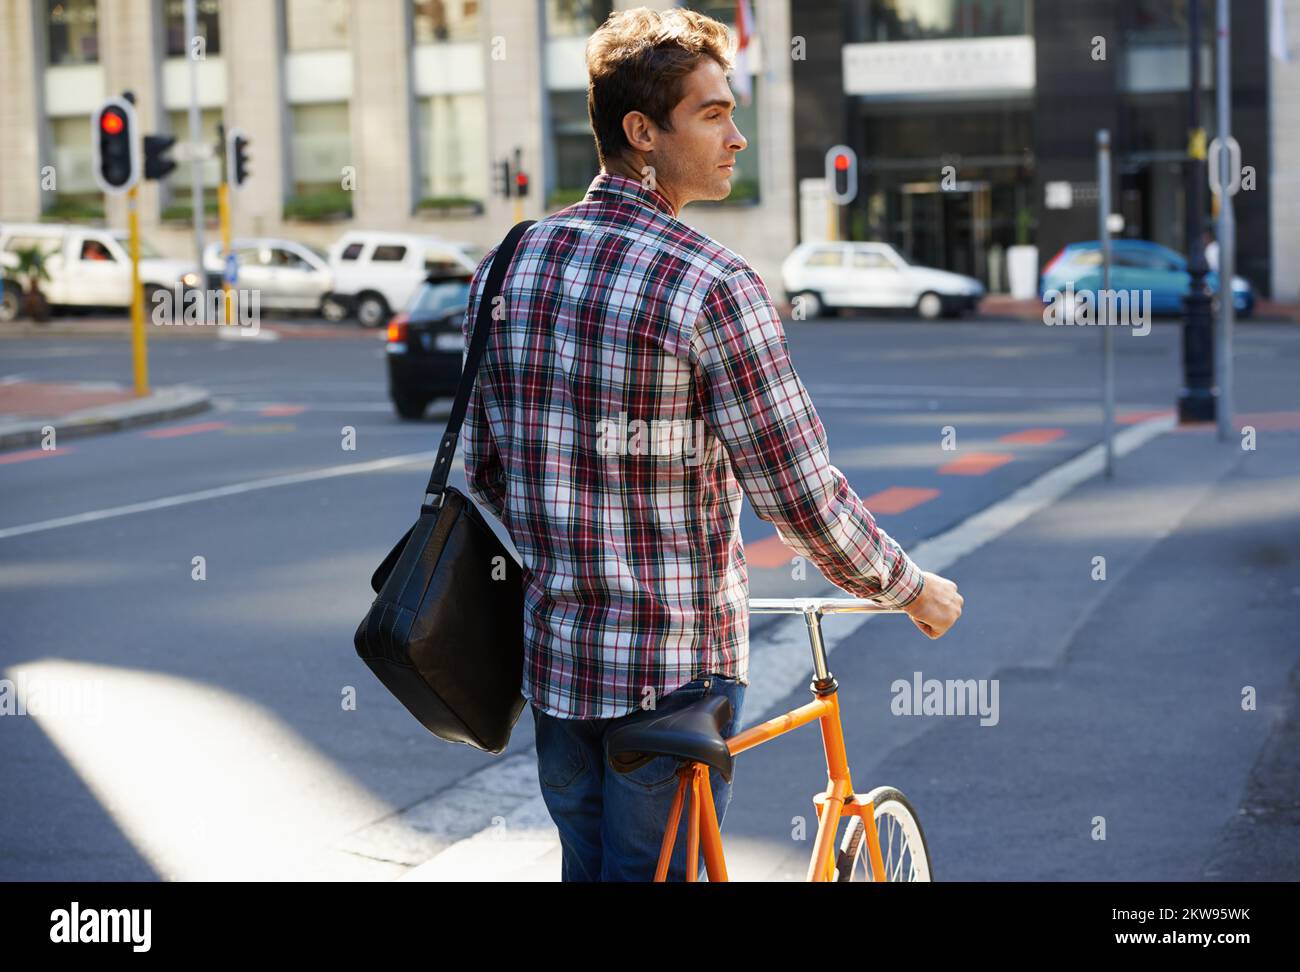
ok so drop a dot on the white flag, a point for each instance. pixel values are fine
(1277, 32)
(742, 76)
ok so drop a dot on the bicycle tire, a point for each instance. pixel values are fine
(854, 863)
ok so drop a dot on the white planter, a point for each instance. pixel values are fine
(1022, 271)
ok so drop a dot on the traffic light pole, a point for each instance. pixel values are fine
(139, 352)
(196, 166)
(1197, 399)
(223, 207)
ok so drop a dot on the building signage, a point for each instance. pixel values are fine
(942, 69)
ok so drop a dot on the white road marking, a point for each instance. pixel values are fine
(779, 664)
(233, 489)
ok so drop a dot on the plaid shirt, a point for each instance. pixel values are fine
(616, 313)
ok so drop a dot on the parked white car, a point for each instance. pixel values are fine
(91, 267)
(10, 295)
(377, 272)
(827, 276)
(288, 275)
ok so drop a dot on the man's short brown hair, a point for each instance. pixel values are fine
(637, 60)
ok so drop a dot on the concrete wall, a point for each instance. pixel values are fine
(1284, 88)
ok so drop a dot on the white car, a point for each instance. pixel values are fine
(377, 272)
(827, 276)
(91, 267)
(288, 275)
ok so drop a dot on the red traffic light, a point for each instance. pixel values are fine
(841, 162)
(111, 123)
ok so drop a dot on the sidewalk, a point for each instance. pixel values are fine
(1004, 305)
(76, 409)
(1121, 699)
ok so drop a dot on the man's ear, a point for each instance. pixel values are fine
(637, 130)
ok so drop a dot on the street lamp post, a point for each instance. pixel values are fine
(1197, 398)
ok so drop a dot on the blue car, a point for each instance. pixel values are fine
(1135, 265)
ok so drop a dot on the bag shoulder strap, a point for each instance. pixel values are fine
(433, 494)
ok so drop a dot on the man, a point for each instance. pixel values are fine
(636, 384)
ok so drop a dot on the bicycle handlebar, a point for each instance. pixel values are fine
(819, 605)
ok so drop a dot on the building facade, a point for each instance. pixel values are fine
(975, 123)
(371, 114)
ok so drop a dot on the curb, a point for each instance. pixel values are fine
(164, 403)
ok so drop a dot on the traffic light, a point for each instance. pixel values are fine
(841, 174)
(501, 178)
(237, 162)
(521, 184)
(157, 163)
(115, 146)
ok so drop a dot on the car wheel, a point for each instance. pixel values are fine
(409, 407)
(372, 311)
(333, 309)
(811, 303)
(930, 305)
(9, 304)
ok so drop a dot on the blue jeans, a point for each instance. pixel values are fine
(612, 824)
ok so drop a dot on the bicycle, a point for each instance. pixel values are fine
(693, 735)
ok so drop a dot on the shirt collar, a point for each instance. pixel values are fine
(608, 184)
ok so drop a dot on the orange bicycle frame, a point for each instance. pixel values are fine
(836, 802)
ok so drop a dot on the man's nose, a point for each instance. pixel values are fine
(737, 141)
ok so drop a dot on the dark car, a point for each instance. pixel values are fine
(426, 349)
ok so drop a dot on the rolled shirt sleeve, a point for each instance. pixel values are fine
(755, 403)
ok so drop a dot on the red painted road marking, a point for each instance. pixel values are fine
(772, 551)
(271, 410)
(768, 552)
(26, 454)
(185, 430)
(898, 499)
(975, 464)
(1032, 436)
(1132, 418)
(1268, 421)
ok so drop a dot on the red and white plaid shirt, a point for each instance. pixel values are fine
(617, 313)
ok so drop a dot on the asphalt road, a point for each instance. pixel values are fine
(231, 743)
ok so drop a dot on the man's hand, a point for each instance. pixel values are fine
(937, 608)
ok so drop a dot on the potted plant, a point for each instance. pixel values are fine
(1022, 259)
(30, 271)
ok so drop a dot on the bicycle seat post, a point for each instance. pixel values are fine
(824, 682)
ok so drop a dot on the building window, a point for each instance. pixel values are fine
(322, 146)
(573, 147)
(208, 24)
(903, 20)
(434, 21)
(1162, 21)
(317, 25)
(452, 134)
(72, 31)
(179, 181)
(575, 18)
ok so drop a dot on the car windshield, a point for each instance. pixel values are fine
(147, 250)
(438, 299)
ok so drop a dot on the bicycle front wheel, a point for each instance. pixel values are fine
(903, 850)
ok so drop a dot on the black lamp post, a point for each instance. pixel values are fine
(1197, 400)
